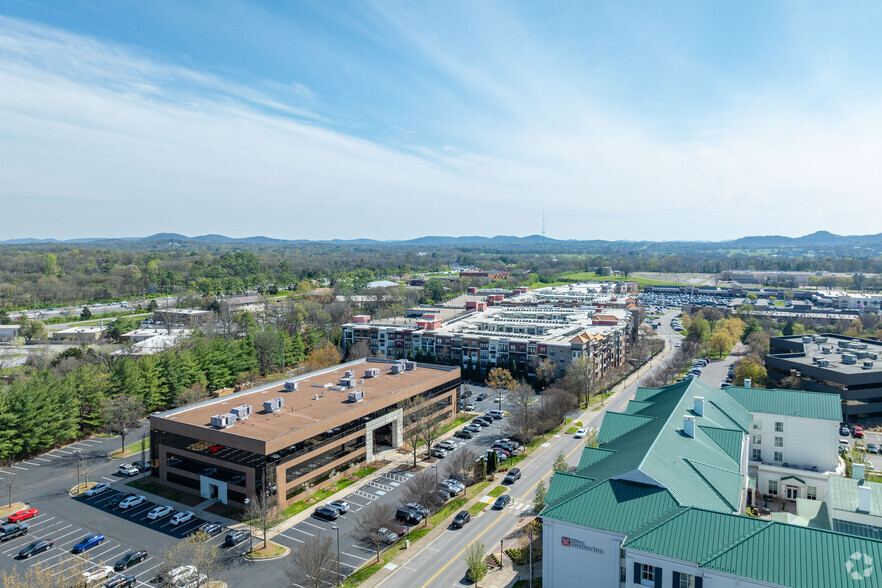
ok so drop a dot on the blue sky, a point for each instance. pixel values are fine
(649, 120)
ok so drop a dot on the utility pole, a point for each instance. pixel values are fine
(77, 453)
(339, 575)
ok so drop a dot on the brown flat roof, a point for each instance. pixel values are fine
(302, 409)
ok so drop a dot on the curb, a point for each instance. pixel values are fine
(273, 558)
(73, 494)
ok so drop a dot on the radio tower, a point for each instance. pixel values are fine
(543, 223)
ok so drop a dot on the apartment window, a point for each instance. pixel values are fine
(758, 425)
(757, 439)
(779, 441)
(779, 427)
(623, 576)
(773, 487)
(647, 573)
(757, 455)
(779, 456)
(686, 581)
(811, 492)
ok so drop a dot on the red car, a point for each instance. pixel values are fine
(215, 448)
(858, 432)
(23, 515)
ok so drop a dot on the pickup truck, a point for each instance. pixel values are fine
(9, 531)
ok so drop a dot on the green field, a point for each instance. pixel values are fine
(592, 277)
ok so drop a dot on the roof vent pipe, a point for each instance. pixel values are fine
(698, 406)
(689, 425)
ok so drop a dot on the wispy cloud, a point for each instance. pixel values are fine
(98, 138)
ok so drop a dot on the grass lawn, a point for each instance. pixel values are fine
(477, 508)
(496, 492)
(456, 422)
(131, 449)
(572, 430)
(592, 277)
(323, 494)
(9, 509)
(271, 550)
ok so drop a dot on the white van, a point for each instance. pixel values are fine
(496, 414)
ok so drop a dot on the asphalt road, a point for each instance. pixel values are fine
(440, 563)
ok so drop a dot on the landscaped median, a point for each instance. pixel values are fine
(131, 449)
(77, 490)
(11, 508)
(270, 552)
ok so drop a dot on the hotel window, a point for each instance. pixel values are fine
(811, 492)
(757, 455)
(779, 441)
(779, 427)
(773, 487)
(779, 456)
(758, 425)
(647, 573)
(623, 576)
(686, 581)
(758, 439)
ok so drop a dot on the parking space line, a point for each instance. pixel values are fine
(313, 526)
(300, 531)
(358, 557)
(364, 548)
(31, 463)
(5, 472)
(18, 468)
(291, 538)
(64, 452)
(43, 459)
(111, 479)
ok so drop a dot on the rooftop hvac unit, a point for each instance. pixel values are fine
(862, 354)
(826, 349)
(346, 382)
(274, 405)
(842, 344)
(291, 385)
(349, 373)
(397, 368)
(223, 421)
(371, 372)
(242, 412)
(867, 365)
(848, 358)
(356, 396)
(815, 359)
(823, 363)
(410, 365)
(806, 339)
(820, 339)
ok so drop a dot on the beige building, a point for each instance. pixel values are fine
(89, 334)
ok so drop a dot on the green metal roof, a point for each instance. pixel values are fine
(729, 440)
(678, 536)
(799, 403)
(611, 505)
(564, 484)
(789, 555)
(592, 455)
(812, 513)
(844, 495)
(725, 483)
(636, 406)
(616, 424)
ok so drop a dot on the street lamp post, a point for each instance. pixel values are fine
(77, 453)
(339, 576)
(501, 553)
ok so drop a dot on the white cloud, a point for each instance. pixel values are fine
(102, 140)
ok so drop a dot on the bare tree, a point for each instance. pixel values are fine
(461, 464)
(197, 551)
(430, 426)
(423, 489)
(10, 482)
(521, 423)
(42, 575)
(260, 513)
(121, 414)
(373, 518)
(359, 350)
(411, 429)
(313, 563)
(580, 378)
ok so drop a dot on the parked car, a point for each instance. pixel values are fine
(871, 448)
(35, 548)
(464, 434)
(408, 516)
(132, 501)
(129, 559)
(96, 574)
(128, 469)
(496, 414)
(473, 428)
(858, 432)
(513, 475)
(480, 397)
(173, 461)
(326, 513)
(10, 531)
(181, 517)
(843, 430)
(141, 466)
(417, 507)
(23, 515)
(159, 512)
(502, 502)
(453, 489)
(236, 537)
(447, 444)
(341, 505)
(97, 489)
(455, 483)
(177, 576)
(580, 434)
(387, 536)
(88, 542)
(461, 518)
(208, 530)
(121, 582)
(439, 452)
(469, 407)
(215, 448)
(467, 394)
(118, 499)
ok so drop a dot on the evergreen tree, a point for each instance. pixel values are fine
(152, 390)
(125, 376)
(92, 385)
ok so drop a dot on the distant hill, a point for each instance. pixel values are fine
(820, 241)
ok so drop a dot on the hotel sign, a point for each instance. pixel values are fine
(578, 544)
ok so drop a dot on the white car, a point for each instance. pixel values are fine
(132, 501)
(178, 576)
(159, 512)
(94, 575)
(580, 434)
(97, 489)
(181, 517)
(128, 469)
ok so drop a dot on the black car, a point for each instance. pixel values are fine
(480, 397)
(483, 421)
(114, 502)
(142, 466)
(513, 475)
(417, 507)
(129, 559)
(408, 516)
(326, 513)
(463, 434)
(11, 530)
(35, 548)
(236, 537)
(461, 518)
(467, 394)
(502, 502)
(120, 582)
(207, 530)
